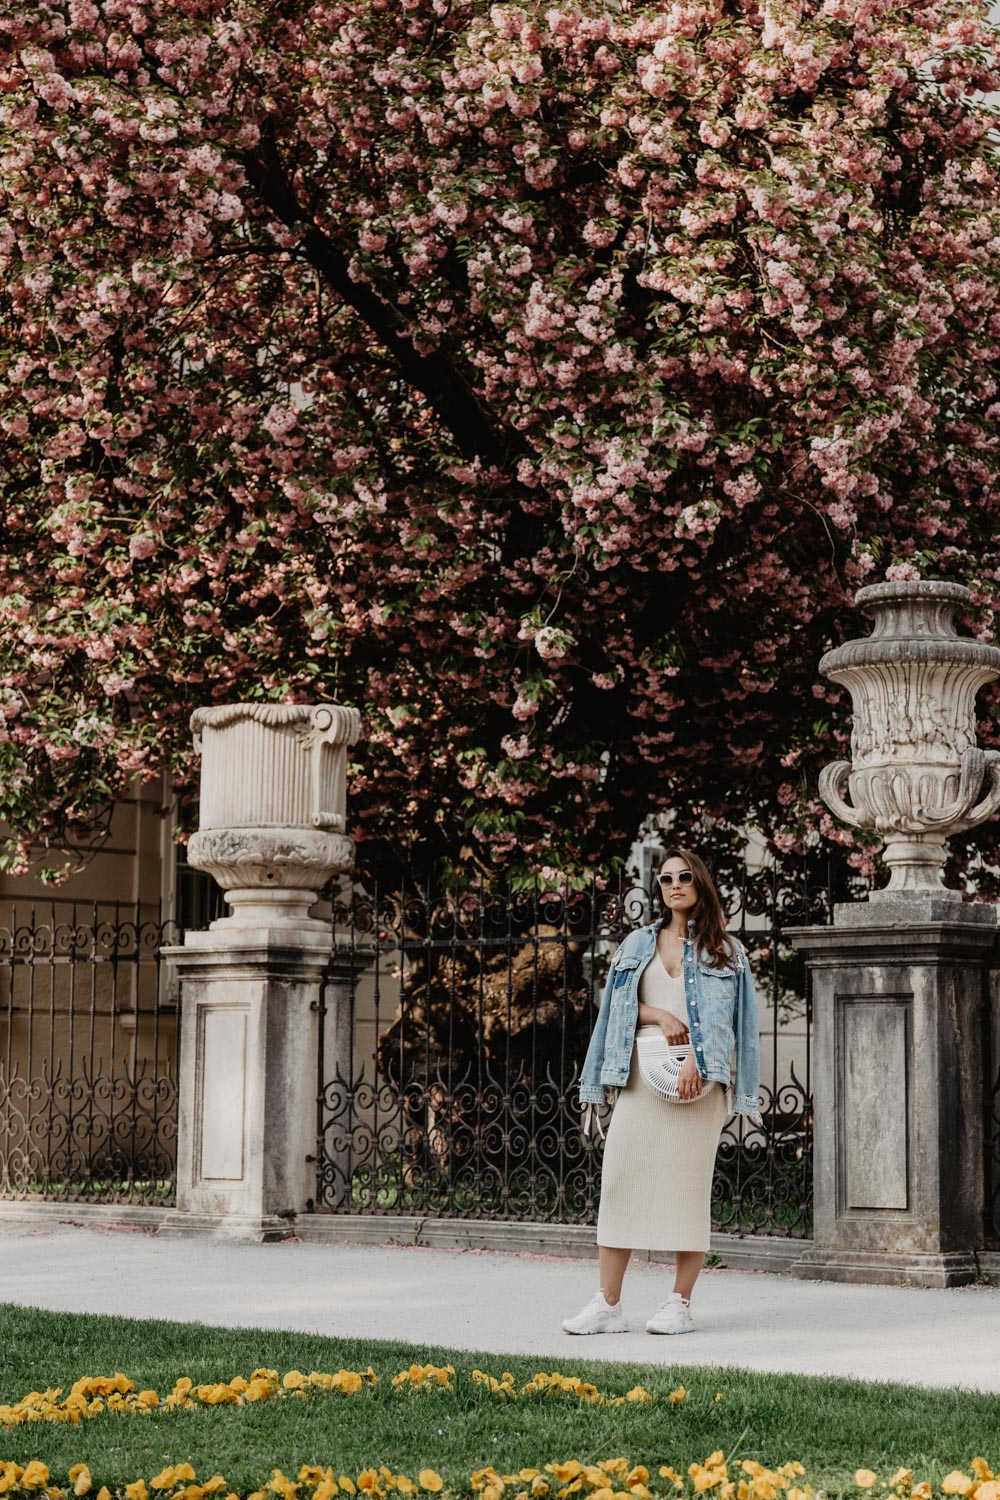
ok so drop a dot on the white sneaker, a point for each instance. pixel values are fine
(672, 1316)
(597, 1317)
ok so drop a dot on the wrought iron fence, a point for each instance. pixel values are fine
(88, 1067)
(452, 1088)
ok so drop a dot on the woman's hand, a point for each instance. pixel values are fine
(674, 1029)
(689, 1083)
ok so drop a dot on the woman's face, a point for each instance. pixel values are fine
(677, 887)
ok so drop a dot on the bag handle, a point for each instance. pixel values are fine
(590, 1119)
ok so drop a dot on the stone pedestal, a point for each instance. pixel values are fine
(898, 1004)
(248, 1068)
(271, 831)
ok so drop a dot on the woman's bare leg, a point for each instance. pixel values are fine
(613, 1263)
(688, 1269)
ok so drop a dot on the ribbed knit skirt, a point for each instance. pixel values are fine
(659, 1159)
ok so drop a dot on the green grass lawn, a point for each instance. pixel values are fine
(831, 1426)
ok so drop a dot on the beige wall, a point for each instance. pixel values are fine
(134, 863)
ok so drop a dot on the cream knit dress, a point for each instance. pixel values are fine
(659, 1157)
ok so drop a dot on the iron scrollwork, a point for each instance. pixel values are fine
(88, 1058)
(458, 1093)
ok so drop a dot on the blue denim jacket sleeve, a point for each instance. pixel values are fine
(747, 1029)
(591, 1088)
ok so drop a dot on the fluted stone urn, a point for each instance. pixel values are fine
(916, 774)
(272, 811)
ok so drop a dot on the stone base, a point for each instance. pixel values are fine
(251, 945)
(576, 1241)
(246, 1128)
(901, 908)
(887, 1268)
(899, 1148)
(246, 1230)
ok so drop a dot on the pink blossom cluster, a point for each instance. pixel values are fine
(542, 377)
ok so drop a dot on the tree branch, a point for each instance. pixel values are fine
(433, 375)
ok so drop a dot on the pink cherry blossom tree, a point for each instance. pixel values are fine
(542, 377)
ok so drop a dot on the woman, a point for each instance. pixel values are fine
(686, 976)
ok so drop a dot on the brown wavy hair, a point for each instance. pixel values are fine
(709, 918)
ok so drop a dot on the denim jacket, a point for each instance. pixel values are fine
(722, 1015)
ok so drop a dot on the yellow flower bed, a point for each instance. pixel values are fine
(93, 1395)
(544, 1384)
(425, 1377)
(982, 1484)
(606, 1479)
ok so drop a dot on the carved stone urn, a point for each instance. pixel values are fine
(272, 811)
(916, 774)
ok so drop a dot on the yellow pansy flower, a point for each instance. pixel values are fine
(865, 1478)
(258, 1390)
(430, 1480)
(956, 1483)
(707, 1479)
(280, 1484)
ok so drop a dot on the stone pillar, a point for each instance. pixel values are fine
(899, 980)
(898, 1067)
(271, 830)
